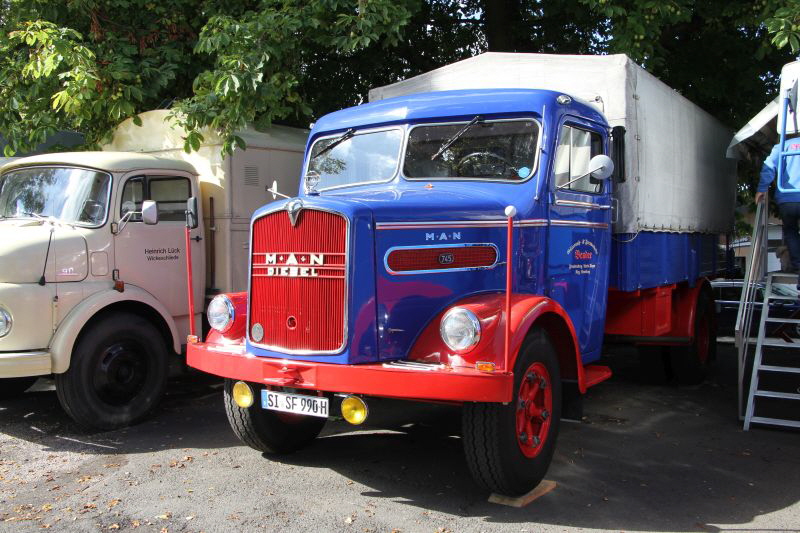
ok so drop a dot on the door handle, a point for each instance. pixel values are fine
(614, 210)
(198, 238)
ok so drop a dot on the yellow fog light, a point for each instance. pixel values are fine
(354, 410)
(483, 366)
(242, 394)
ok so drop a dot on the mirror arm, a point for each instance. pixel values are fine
(124, 221)
(563, 185)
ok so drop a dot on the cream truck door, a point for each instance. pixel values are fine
(152, 257)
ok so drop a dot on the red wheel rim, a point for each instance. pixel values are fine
(534, 410)
(702, 340)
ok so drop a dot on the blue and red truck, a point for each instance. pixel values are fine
(471, 236)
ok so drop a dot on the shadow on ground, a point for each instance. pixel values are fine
(190, 416)
(644, 458)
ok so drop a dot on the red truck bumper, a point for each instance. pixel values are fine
(378, 379)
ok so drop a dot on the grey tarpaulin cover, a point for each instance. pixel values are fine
(678, 178)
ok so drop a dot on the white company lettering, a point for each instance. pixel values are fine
(289, 265)
(443, 236)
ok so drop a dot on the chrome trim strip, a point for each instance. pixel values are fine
(578, 224)
(436, 224)
(414, 365)
(346, 287)
(521, 118)
(440, 270)
(585, 205)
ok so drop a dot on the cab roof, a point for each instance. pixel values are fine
(107, 161)
(439, 105)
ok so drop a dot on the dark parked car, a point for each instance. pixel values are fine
(727, 293)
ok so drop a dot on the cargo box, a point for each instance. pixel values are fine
(677, 178)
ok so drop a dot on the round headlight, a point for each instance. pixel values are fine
(460, 329)
(5, 322)
(220, 313)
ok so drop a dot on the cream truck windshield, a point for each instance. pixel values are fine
(72, 195)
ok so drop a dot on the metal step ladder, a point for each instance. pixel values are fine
(791, 351)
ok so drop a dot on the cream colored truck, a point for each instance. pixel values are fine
(97, 297)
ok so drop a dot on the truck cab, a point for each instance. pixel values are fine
(449, 246)
(92, 289)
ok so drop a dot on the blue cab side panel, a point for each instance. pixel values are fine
(651, 259)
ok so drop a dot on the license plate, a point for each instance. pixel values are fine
(300, 404)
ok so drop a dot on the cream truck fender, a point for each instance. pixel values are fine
(133, 299)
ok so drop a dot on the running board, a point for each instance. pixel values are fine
(594, 374)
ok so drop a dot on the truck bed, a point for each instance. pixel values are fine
(677, 177)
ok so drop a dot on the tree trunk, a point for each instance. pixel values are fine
(502, 17)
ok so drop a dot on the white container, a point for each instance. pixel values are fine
(677, 176)
(238, 183)
(790, 73)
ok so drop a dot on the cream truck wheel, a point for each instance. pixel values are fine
(270, 431)
(509, 447)
(13, 387)
(117, 374)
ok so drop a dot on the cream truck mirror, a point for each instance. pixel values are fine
(192, 219)
(150, 212)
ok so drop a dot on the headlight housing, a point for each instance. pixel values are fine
(221, 313)
(5, 322)
(460, 329)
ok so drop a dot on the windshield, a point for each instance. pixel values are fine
(72, 195)
(366, 157)
(500, 149)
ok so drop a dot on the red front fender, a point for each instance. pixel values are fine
(527, 311)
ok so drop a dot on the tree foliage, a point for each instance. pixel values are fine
(85, 65)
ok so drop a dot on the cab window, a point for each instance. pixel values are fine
(170, 192)
(132, 197)
(171, 195)
(575, 148)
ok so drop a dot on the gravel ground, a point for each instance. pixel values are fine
(644, 458)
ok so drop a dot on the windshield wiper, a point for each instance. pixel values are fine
(449, 142)
(346, 135)
(32, 215)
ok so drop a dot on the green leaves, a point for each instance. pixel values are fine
(257, 58)
(784, 25)
(86, 65)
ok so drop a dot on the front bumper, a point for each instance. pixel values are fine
(25, 364)
(376, 379)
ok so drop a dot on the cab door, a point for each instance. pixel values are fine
(153, 257)
(579, 240)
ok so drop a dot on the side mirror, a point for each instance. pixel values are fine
(618, 152)
(601, 167)
(150, 212)
(192, 219)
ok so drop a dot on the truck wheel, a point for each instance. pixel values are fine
(13, 387)
(270, 431)
(690, 364)
(117, 374)
(509, 447)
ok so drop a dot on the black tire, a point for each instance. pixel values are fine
(654, 364)
(117, 374)
(269, 431)
(13, 387)
(492, 443)
(690, 364)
